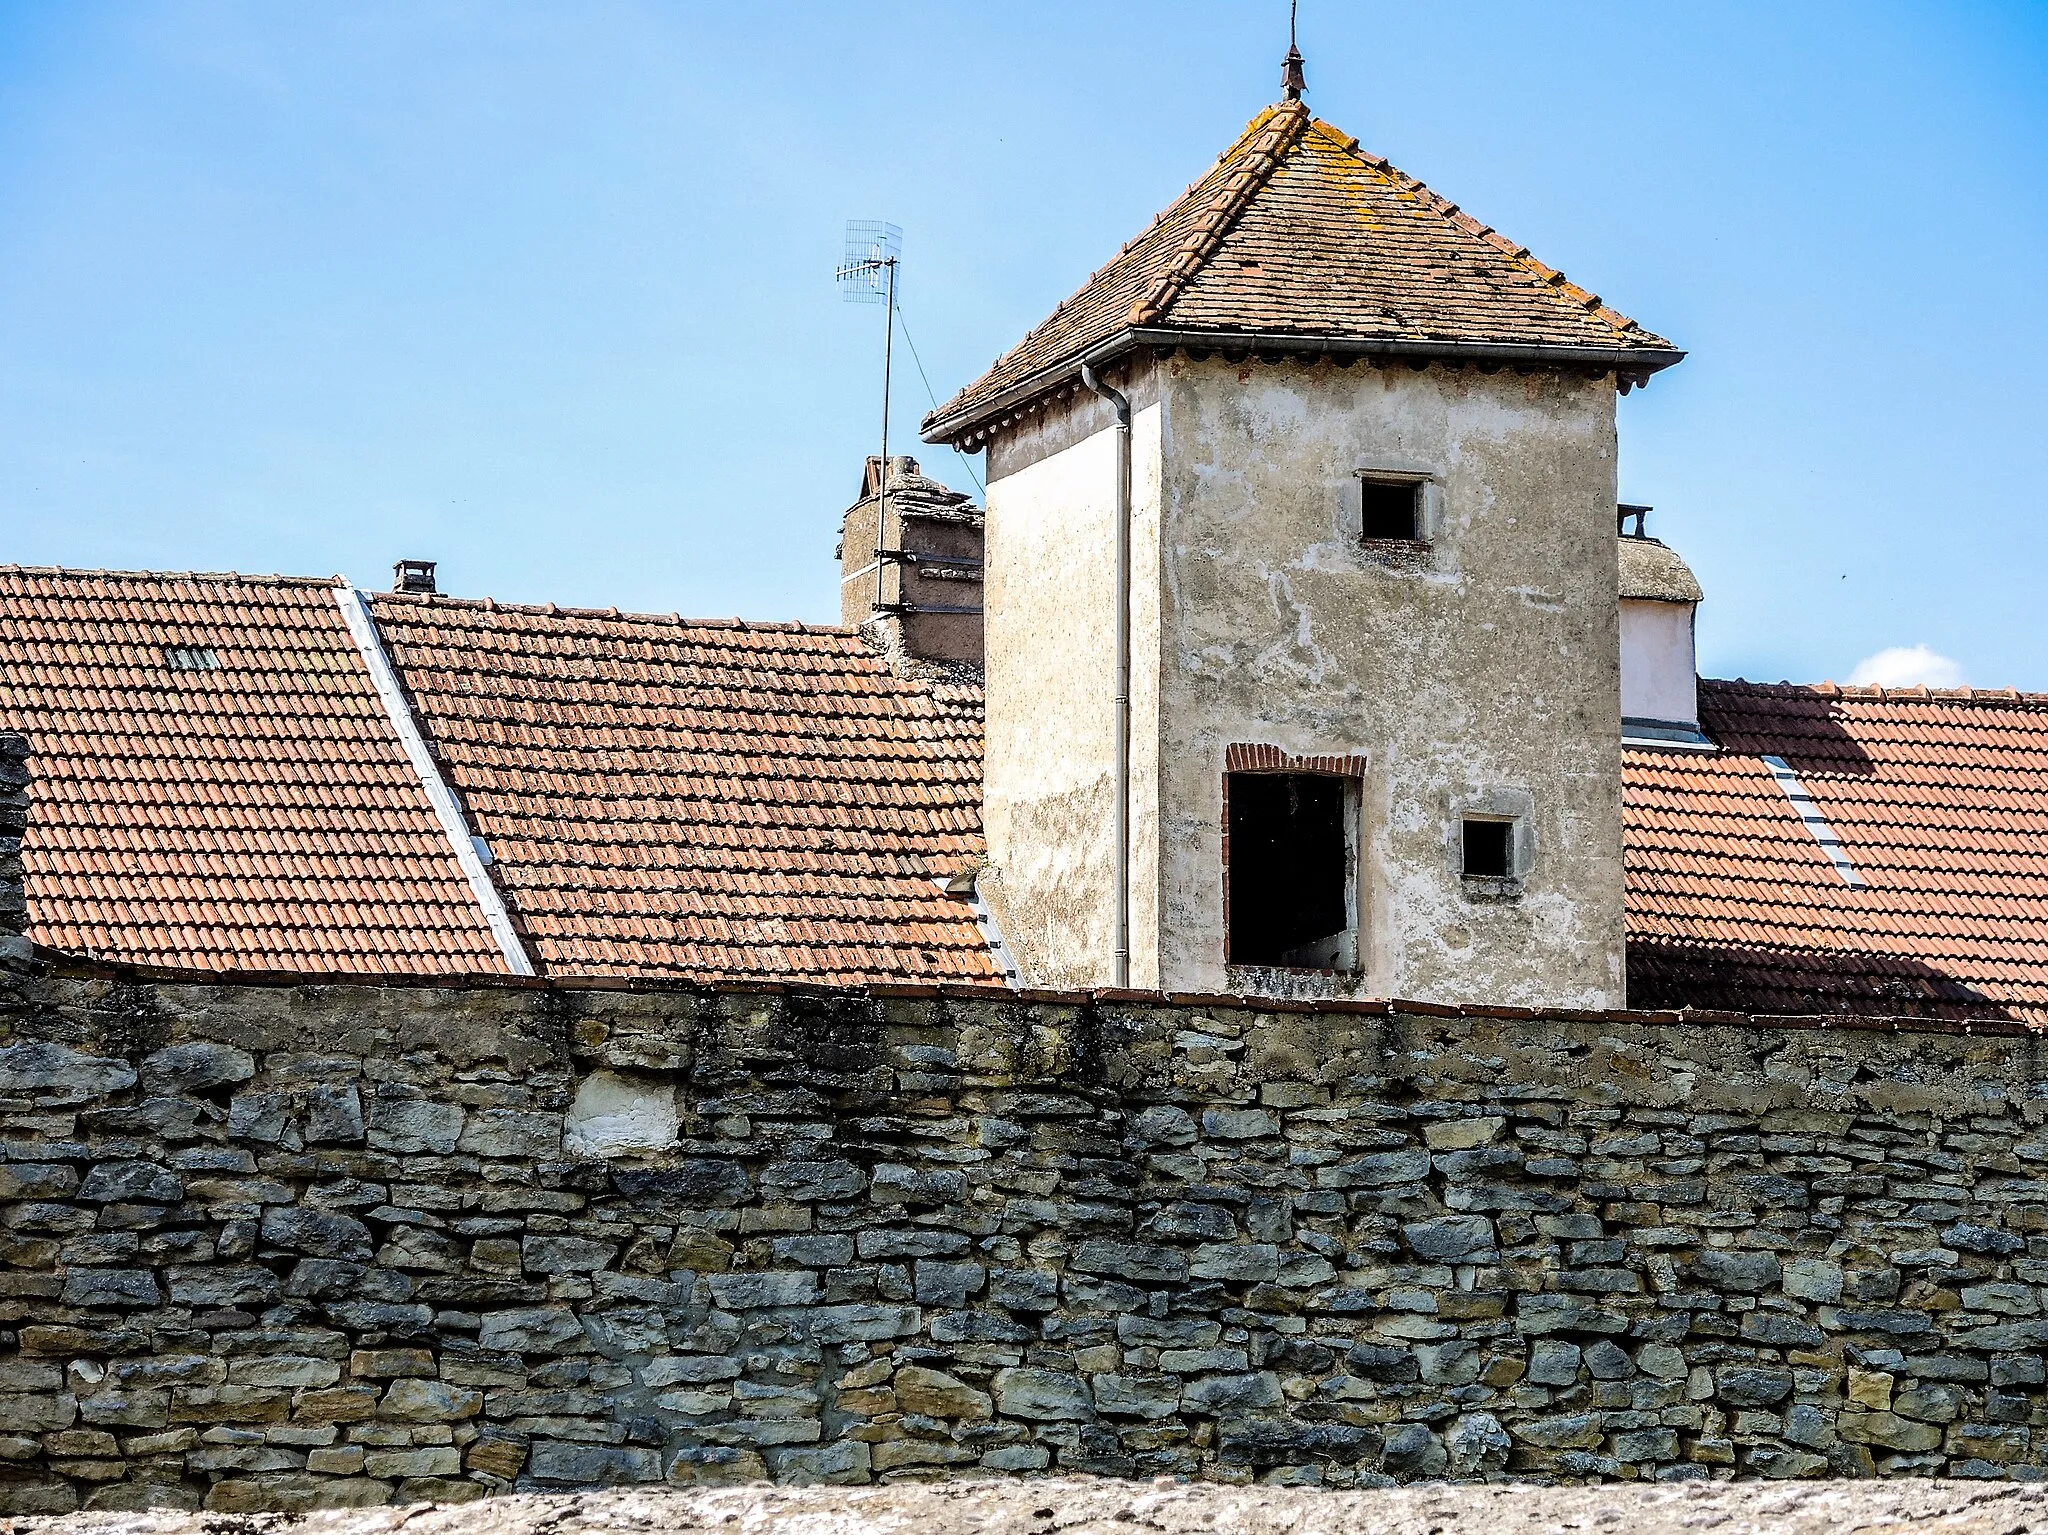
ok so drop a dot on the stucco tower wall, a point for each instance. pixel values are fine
(1482, 674)
(1050, 636)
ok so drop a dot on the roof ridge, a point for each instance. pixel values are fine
(1861, 692)
(1136, 240)
(554, 610)
(1265, 140)
(86, 572)
(1521, 255)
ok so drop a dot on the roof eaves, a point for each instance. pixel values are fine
(955, 427)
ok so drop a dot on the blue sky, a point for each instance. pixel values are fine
(543, 291)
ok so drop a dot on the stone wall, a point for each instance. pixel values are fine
(283, 1246)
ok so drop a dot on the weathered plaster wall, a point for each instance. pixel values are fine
(1050, 640)
(1659, 677)
(269, 1247)
(1482, 673)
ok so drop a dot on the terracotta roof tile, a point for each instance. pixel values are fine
(1940, 802)
(215, 784)
(1296, 232)
(714, 800)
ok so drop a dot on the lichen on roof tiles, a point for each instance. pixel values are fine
(1296, 232)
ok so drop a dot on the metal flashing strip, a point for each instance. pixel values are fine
(991, 932)
(472, 852)
(1809, 813)
(1665, 735)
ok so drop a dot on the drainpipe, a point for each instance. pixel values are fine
(1121, 959)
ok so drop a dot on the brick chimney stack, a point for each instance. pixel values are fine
(921, 601)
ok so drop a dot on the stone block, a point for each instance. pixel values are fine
(126, 1182)
(862, 1322)
(37, 1412)
(38, 1067)
(1143, 1262)
(223, 1286)
(125, 1288)
(412, 1400)
(1887, 1430)
(565, 1255)
(894, 1183)
(943, 1284)
(284, 1370)
(1463, 1134)
(512, 1134)
(1747, 1386)
(413, 1125)
(755, 1290)
(433, 1460)
(1736, 1272)
(1237, 1262)
(847, 1462)
(1452, 1239)
(194, 1067)
(1042, 1395)
(320, 1233)
(34, 1180)
(334, 1114)
(532, 1330)
(935, 1394)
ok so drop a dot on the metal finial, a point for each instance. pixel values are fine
(1292, 81)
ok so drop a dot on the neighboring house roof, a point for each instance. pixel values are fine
(704, 799)
(727, 801)
(1939, 802)
(215, 785)
(1298, 239)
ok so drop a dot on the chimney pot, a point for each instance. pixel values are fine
(413, 576)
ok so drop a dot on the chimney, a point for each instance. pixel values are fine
(1659, 673)
(413, 576)
(921, 599)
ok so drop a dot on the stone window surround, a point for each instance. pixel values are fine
(1514, 805)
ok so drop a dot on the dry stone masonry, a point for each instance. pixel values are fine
(302, 1246)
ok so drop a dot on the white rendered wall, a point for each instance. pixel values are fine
(1482, 676)
(1050, 634)
(1659, 673)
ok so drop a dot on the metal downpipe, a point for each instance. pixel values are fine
(1120, 968)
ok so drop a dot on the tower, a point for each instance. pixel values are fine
(1301, 600)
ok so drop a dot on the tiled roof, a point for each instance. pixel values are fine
(216, 786)
(1940, 804)
(718, 800)
(1298, 233)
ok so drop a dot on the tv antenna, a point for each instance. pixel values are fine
(867, 275)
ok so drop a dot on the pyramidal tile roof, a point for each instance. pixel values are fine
(1298, 239)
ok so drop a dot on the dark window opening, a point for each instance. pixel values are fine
(1489, 850)
(1288, 871)
(191, 658)
(1392, 508)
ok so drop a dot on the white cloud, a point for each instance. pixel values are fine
(1907, 666)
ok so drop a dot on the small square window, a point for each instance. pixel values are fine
(1390, 509)
(1489, 850)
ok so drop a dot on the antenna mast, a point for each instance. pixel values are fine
(867, 275)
